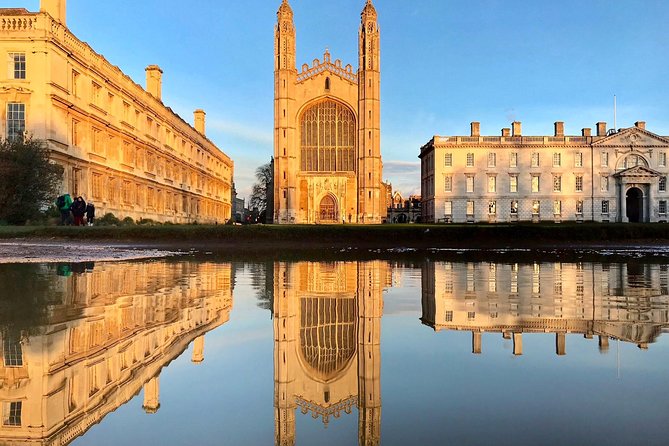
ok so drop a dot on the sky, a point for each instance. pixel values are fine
(444, 63)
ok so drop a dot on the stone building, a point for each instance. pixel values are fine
(121, 147)
(107, 335)
(404, 210)
(327, 348)
(327, 151)
(615, 176)
(561, 298)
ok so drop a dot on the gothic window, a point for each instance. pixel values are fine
(327, 138)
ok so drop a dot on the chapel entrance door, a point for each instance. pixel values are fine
(634, 201)
(328, 210)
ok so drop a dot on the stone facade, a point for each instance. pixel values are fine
(121, 147)
(327, 151)
(403, 210)
(615, 176)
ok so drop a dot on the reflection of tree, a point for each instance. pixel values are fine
(262, 281)
(26, 292)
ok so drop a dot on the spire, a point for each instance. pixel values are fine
(368, 12)
(285, 11)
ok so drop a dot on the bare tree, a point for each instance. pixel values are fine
(261, 189)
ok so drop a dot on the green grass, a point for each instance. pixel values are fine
(410, 235)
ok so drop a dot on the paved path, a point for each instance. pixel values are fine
(55, 252)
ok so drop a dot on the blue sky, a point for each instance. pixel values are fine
(445, 63)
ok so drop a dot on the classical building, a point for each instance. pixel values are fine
(121, 147)
(327, 151)
(615, 176)
(327, 332)
(106, 335)
(561, 298)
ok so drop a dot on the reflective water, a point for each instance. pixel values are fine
(176, 352)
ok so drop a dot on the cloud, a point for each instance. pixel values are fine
(404, 176)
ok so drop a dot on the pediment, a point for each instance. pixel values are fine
(638, 172)
(633, 137)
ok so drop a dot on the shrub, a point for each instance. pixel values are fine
(128, 221)
(108, 219)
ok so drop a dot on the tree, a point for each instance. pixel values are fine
(261, 189)
(29, 181)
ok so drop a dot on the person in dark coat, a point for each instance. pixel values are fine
(63, 203)
(78, 210)
(90, 213)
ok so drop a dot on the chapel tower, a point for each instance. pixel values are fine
(327, 150)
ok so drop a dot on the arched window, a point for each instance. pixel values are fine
(631, 160)
(327, 140)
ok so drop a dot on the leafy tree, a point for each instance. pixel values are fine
(29, 181)
(261, 188)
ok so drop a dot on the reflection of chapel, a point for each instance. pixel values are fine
(327, 152)
(327, 359)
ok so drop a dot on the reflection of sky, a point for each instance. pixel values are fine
(434, 391)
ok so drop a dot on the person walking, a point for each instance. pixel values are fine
(63, 203)
(78, 210)
(90, 213)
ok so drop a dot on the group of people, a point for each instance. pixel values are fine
(72, 212)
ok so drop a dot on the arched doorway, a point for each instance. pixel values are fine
(634, 203)
(328, 210)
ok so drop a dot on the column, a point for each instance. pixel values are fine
(623, 202)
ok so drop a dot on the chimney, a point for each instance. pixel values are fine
(586, 132)
(506, 132)
(517, 128)
(152, 395)
(55, 8)
(476, 128)
(601, 129)
(640, 125)
(154, 81)
(559, 128)
(199, 120)
(198, 350)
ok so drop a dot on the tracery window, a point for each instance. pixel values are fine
(327, 138)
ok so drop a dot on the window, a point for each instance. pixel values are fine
(16, 121)
(492, 159)
(535, 183)
(662, 161)
(471, 315)
(663, 207)
(449, 316)
(662, 186)
(11, 413)
(329, 138)
(513, 159)
(579, 206)
(492, 183)
(448, 160)
(470, 183)
(514, 206)
(557, 183)
(96, 93)
(470, 208)
(448, 208)
(605, 206)
(605, 184)
(17, 65)
(492, 207)
(578, 159)
(604, 156)
(470, 160)
(557, 160)
(557, 207)
(535, 159)
(12, 352)
(513, 183)
(579, 183)
(536, 207)
(448, 183)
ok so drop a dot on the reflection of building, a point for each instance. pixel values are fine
(121, 147)
(109, 333)
(403, 210)
(628, 302)
(327, 330)
(619, 176)
(327, 150)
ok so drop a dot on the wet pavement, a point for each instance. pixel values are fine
(46, 252)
